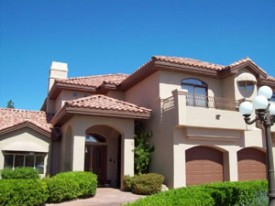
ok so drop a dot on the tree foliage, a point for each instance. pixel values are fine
(143, 150)
(10, 104)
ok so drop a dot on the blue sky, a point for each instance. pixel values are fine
(100, 37)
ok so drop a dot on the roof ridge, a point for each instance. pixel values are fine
(22, 110)
(95, 76)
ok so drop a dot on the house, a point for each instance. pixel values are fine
(190, 106)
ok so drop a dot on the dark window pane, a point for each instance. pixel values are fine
(193, 82)
(8, 162)
(29, 161)
(19, 161)
(39, 164)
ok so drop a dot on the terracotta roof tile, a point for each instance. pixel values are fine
(94, 81)
(12, 117)
(102, 102)
(189, 62)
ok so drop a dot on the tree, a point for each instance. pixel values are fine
(10, 104)
(143, 150)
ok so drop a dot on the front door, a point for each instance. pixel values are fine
(99, 162)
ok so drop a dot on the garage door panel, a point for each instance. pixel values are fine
(203, 165)
(251, 164)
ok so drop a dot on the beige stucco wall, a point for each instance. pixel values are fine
(66, 95)
(25, 139)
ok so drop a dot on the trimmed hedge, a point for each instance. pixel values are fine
(144, 184)
(22, 192)
(251, 193)
(19, 173)
(71, 185)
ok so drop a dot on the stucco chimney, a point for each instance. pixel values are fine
(58, 70)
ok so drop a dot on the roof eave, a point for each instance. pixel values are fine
(28, 124)
(58, 86)
(67, 112)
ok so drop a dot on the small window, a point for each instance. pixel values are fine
(75, 94)
(94, 138)
(273, 98)
(24, 159)
(246, 88)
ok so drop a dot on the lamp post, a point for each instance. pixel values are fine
(265, 114)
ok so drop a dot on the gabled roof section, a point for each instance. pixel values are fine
(101, 105)
(191, 66)
(188, 62)
(247, 62)
(13, 119)
(88, 83)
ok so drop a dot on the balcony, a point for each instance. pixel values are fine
(184, 109)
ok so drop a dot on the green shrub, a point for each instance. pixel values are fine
(251, 193)
(61, 189)
(71, 185)
(237, 193)
(87, 182)
(20, 173)
(147, 184)
(127, 183)
(22, 192)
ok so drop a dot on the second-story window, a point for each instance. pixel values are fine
(197, 92)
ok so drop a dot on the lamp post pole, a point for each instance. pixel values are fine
(265, 113)
(270, 164)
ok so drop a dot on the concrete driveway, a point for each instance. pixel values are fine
(103, 197)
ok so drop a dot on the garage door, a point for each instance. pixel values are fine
(203, 165)
(251, 164)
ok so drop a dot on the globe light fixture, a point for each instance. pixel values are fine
(265, 115)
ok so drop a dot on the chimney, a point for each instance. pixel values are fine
(58, 70)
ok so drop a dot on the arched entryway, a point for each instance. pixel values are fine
(251, 164)
(103, 154)
(204, 165)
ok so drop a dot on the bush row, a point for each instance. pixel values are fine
(144, 184)
(64, 186)
(251, 193)
(19, 173)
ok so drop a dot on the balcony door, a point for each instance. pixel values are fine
(197, 92)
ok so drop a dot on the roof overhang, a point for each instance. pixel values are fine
(28, 125)
(67, 112)
(58, 87)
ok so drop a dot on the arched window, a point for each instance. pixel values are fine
(197, 92)
(95, 138)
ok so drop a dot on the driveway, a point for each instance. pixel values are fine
(103, 197)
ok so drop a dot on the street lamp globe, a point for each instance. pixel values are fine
(265, 91)
(246, 108)
(260, 102)
(272, 109)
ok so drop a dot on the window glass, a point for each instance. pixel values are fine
(197, 92)
(39, 164)
(8, 159)
(29, 161)
(19, 161)
(94, 138)
(246, 88)
(273, 98)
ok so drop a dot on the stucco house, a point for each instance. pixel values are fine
(191, 107)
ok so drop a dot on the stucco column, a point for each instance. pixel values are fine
(179, 176)
(180, 104)
(232, 165)
(78, 156)
(127, 156)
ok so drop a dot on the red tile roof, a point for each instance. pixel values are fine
(102, 102)
(188, 62)
(94, 81)
(12, 117)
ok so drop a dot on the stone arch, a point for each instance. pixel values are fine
(103, 154)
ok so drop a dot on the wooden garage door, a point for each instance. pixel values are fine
(203, 165)
(251, 164)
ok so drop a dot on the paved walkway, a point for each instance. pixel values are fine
(103, 197)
